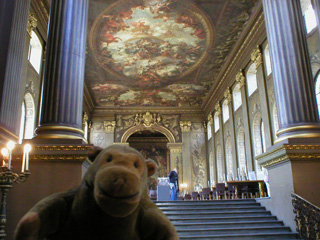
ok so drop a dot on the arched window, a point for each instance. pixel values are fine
(27, 118)
(252, 79)
(309, 15)
(276, 120)
(35, 52)
(241, 150)
(225, 111)
(318, 92)
(267, 60)
(229, 162)
(209, 130)
(219, 164)
(237, 101)
(216, 122)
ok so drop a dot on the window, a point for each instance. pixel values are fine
(252, 79)
(35, 52)
(27, 118)
(225, 111)
(237, 101)
(216, 122)
(318, 92)
(209, 130)
(267, 59)
(308, 15)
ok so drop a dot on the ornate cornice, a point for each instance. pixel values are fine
(240, 78)
(256, 56)
(185, 126)
(32, 24)
(109, 126)
(228, 95)
(62, 148)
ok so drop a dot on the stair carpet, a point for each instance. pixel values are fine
(224, 219)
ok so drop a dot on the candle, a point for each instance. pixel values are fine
(23, 161)
(10, 146)
(5, 154)
(27, 149)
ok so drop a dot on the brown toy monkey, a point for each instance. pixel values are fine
(111, 203)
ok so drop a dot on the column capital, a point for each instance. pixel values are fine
(175, 147)
(240, 78)
(256, 56)
(228, 95)
(210, 119)
(109, 126)
(32, 24)
(185, 126)
(217, 108)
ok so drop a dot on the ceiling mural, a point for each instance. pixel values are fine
(158, 52)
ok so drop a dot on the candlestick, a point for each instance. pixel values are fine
(5, 154)
(27, 149)
(23, 162)
(10, 146)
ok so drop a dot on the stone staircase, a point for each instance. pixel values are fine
(224, 219)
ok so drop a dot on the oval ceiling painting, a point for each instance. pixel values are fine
(152, 42)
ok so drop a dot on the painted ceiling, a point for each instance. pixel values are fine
(162, 53)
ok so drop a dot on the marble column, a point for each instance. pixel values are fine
(228, 96)
(256, 57)
(292, 76)
(14, 18)
(241, 80)
(62, 94)
(176, 160)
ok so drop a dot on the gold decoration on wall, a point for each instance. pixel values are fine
(147, 119)
(217, 108)
(84, 120)
(210, 119)
(256, 56)
(185, 126)
(228, 95)
(109, 126)
(32, 24)
(240, 78)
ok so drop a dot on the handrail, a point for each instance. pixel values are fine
(307, 218)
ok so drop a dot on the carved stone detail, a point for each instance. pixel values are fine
(210, 119)
(185, 126)
(109, 126)
(256, 57)
(32, 24)
(147, 119)
(228, 95)
(217, 108)
(240, 78)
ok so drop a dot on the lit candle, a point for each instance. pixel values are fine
(10, 146)
(5, 154)
(23, 161)
(27, 149)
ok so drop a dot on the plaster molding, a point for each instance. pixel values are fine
(185, 126)
(256, 56)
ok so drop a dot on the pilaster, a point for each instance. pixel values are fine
(221, 136)
(176, 161)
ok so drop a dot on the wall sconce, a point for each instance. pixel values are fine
(7, 177)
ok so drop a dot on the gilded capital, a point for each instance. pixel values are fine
(240, 78)
(109, 126)
(32, 24)
(185, 126)
(210, 119)
(217, 108)
(228, 95)
(256, 56)
(85, 119)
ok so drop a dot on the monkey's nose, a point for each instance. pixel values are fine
(118, 182)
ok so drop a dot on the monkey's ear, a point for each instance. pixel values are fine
(93, 153)
(151, 166)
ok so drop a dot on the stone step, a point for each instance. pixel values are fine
(216, 219)
(212, 210)
(239, 214)
(200, 202)
(208, 205)
(232, 230)
(247, 236)
(201, 225)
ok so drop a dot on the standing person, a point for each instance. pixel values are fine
(174, 186)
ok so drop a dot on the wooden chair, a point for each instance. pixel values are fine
(231, 192)
(195, 195)
(206, 192)
(220, 190)
(187, 197)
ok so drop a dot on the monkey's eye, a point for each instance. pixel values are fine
(136, 164)
(109, 159)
